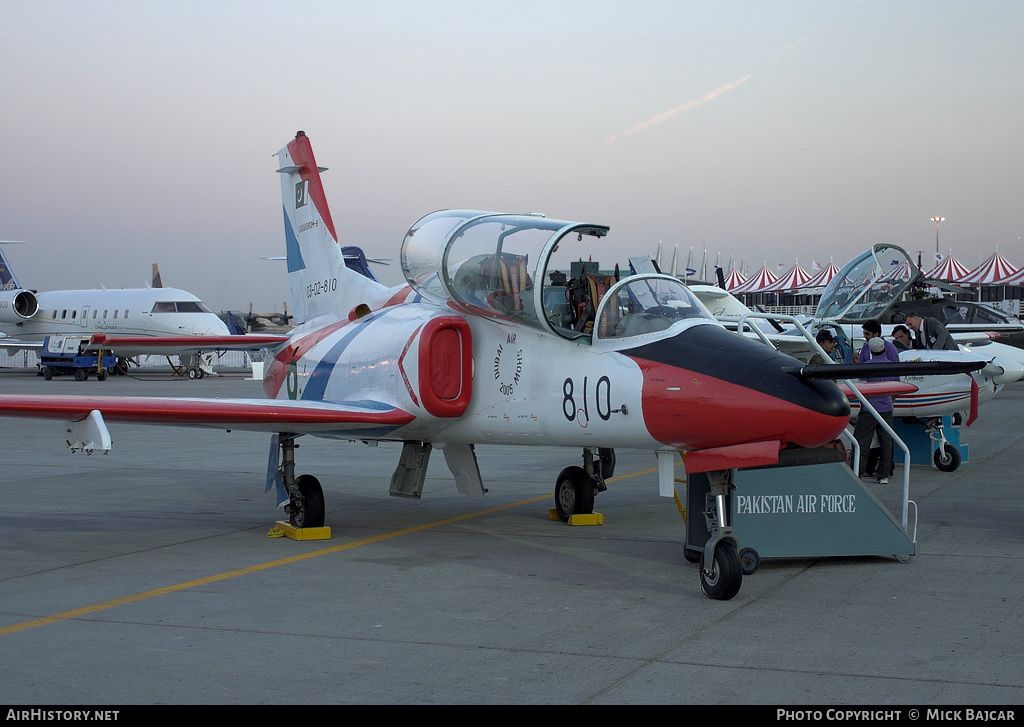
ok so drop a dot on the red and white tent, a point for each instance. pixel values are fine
(755, 283)
(794, 279)
(898, 272)
(990, 272)
(822, 278)
(1016, 279)
(949, 269)
(733, 279)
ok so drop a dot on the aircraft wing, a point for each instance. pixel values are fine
(354, 418)
(878, 388)
(13, 345)
(172, 345)
(902, 368)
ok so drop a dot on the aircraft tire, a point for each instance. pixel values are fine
(310, 513)
(947, 459)
(723, 582)
(574, 493)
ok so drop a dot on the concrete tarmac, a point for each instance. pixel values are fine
(146, 576)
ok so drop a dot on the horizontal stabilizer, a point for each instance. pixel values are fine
(874, 370)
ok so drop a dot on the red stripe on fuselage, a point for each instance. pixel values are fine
(276, 373)
(689, 410)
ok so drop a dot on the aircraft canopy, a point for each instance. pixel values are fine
(866, 286)
(520, 268)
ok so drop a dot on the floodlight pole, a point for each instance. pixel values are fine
(937, 220)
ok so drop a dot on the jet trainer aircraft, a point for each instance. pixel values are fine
(489, 343)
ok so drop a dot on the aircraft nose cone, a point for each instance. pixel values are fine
(708, 387)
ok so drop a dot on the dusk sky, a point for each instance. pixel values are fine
(765, 132)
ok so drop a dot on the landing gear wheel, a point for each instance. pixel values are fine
(749, 561)
(308, 512)
(691, 555)
(723, 582)
(947, 458)
(192, 374)
(574, 493)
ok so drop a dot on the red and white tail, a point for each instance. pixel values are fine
(321, 284)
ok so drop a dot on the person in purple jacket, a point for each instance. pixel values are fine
(876, 349)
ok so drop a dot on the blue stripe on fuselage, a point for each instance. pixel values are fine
(317, 384)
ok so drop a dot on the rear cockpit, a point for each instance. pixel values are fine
(528, 269)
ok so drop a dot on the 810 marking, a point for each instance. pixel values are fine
(581, 413)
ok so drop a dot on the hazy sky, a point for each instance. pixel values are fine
(141, 132)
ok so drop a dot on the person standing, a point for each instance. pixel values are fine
(876, 350)
(828, 345)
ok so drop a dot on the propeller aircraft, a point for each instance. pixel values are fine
(864, 289)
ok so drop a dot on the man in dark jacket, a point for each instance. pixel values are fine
(930, 333)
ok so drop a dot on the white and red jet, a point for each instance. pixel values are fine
(492, 341)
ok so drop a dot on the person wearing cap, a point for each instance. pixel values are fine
(930, 333)
(876, 350)
(827, 342)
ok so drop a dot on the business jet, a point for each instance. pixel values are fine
(27, 317)
(487, 342)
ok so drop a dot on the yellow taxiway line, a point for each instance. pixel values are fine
(104, 605)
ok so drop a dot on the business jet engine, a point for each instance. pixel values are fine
(17, 305)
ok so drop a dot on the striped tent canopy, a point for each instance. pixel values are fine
(793, 279)
(898, 272)
(991, 271)
(949, 269)
(1016, 279)
(757, 282)
(734, 279)
(822, 278)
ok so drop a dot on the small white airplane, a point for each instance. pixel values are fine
(488, 343)
(862, 291)
(142, 317)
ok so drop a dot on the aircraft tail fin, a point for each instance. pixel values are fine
(320, 281)
(7, 279)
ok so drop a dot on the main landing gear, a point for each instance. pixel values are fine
(576, 486)
(305, 506)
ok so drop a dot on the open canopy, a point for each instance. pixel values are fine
(530, 270)
(865, 286)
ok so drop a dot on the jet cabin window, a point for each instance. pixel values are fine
(647, 305)
(182, 306)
